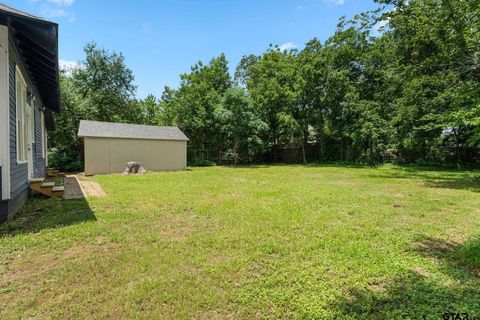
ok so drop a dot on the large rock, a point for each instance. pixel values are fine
(133, 168)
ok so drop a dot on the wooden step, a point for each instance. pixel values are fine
(58, 189)
(52, 174)
(36, 180)
(46, 188)
(47, 185)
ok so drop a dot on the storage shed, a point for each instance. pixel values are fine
(109, 146)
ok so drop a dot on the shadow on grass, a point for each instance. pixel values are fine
(39, 214)
(418, 294)
(434, 178)
(298, 165)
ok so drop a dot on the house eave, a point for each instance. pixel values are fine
(36, 41)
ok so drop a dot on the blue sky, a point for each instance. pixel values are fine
(161, 39)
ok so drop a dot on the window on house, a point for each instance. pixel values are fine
(21, 104)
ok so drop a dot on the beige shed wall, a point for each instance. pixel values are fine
(109, 155)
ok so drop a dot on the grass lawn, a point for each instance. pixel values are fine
(315, 242)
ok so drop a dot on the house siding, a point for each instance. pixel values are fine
(3, 211)
(16, 187)
(38, 160)
(18, 172)
(3, 204)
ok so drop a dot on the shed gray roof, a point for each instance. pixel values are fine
(129, 131)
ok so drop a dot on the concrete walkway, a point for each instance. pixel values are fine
(76, 188)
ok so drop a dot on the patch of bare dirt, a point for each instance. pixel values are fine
(179, 226)
(92, 188)
(436, 247)
(378, 287)
(422, 272)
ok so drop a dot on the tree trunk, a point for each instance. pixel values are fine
(342, 150)
(235, 151)
(304, 146)
(304, 160)
(457, 145)
(275, 151)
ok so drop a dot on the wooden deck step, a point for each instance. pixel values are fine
(55, 173)
(58, 189)
(48, 188)
(48, 185)
(36, 180)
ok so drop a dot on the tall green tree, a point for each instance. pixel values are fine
(241, 127)
(271, 83)
(195, 101)
(100, 88)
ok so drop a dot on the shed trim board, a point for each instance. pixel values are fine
(104, 155)
(4, 116)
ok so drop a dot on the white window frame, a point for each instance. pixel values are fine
(21, 116)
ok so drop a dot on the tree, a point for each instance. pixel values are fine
(400, 83)
(105, 83)
(438, 66)
(168, 107)
(241, 127)
(271, 83)
(149, 111)
(195, 101)
(102, 89)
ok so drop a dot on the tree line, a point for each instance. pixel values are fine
(398, 84)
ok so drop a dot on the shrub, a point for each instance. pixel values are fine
(200, 163)
(65, 160)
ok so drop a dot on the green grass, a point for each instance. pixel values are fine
(313, 242)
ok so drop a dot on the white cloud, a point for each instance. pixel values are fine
(57, 9)
(335, 2)
(64, 3)
(53, 12)
(287, 46)
(300, 8)
(68, 65)
(382, 23)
